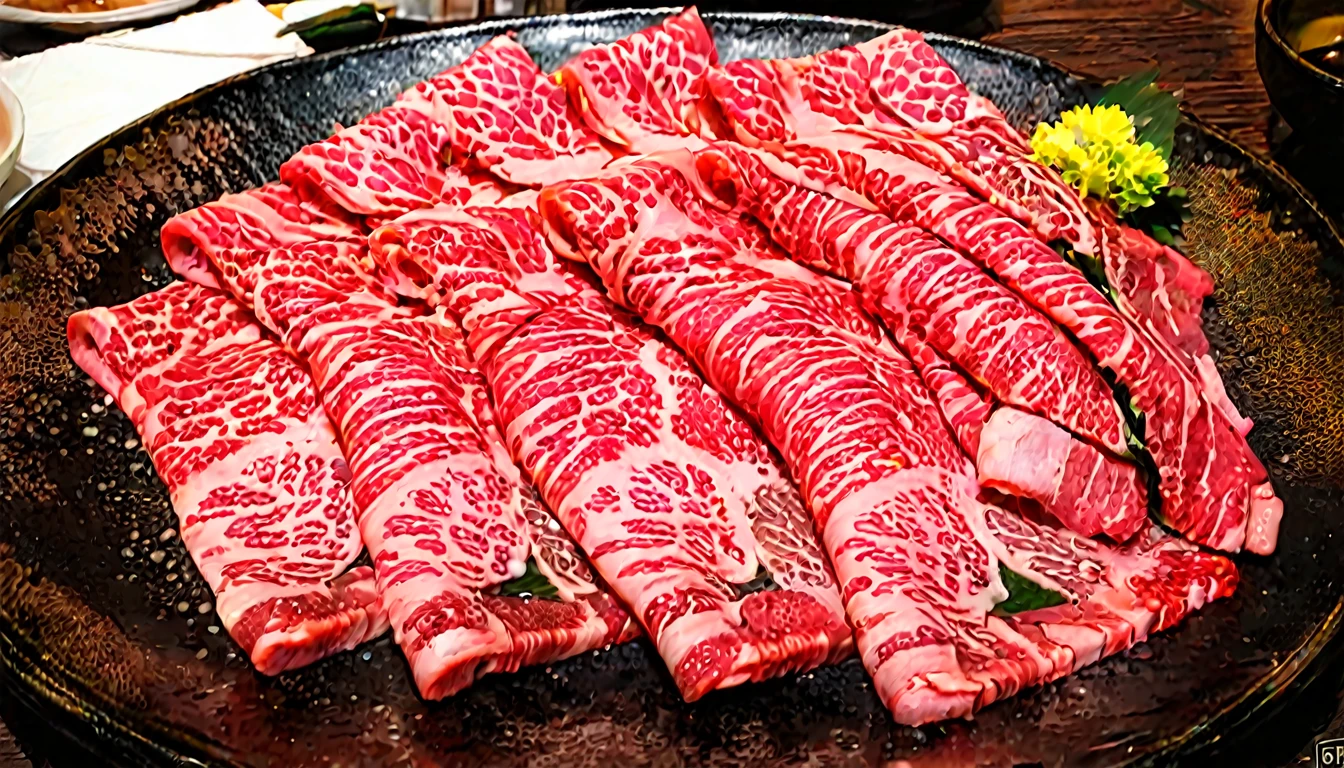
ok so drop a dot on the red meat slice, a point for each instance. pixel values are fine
(646, 91)
(917, 554)
(913, 84)
(251, 463)
(676, 501)
(503, 114)
(1076, 489)
(249, 224)
(1213, 488)
(899, 85)
(442, 508)
(927, 293)
(391, 162)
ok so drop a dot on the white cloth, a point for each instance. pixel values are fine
(76, 94)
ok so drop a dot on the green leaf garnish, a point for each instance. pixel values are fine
(1024, 594)
(1165, 218)
(1154, 111)
(533, 583)
(1090, 266)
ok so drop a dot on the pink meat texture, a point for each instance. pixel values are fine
(675, 500)
(655, 435)
(647, 91)
(504, 115)
(443, 510)
(785, 348)
(916, 553)
(899, 85)
(390, 162)
(251, 464)
(1213, 489)
(927, 294)
(1218, 512)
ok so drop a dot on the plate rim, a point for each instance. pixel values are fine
(14, 15)
(47, 685)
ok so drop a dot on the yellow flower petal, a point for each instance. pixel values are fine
(1095, 152)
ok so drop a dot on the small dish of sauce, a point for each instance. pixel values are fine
(1321, 42)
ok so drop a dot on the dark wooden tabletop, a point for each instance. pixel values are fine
(1204, 48)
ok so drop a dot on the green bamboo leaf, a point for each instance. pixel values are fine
(533, 583)
(1154, 111)
(1024, 594)
(332, 18)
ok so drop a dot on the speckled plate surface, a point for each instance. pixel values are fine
(104, 620)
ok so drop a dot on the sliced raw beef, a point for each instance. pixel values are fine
(391, 162)
(923, 289)
(251, 463)
(1087, 488)
(899, 85)
(922, 563)
(452, 528)
(1089, 491)
(270, 216)
(248, 225)
(646, 92)
(503, 114)
(911, 83)
(676, 501)
(1213, 489)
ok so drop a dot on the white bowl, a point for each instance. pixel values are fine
(9, 150)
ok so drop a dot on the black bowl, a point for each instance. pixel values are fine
(1308, 97)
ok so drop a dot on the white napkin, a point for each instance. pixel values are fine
(76, 94)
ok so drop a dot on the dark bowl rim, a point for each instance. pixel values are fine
(46, 688)
(1269, 29)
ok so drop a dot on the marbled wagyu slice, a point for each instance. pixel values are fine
(251, 464)
(927, 293)
(678, 504)
(921, 562)
(444, 512)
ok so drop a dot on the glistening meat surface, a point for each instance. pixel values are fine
(251, 464)
(926, 293)
(1213, 488)
(646, 92)
(390, 162)
(1091, 490)
(503, 114)
(920, 559)
(544, 337)
(676, 501)
(897, 84)
(444, 512)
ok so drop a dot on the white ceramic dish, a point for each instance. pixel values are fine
(86, 22)
(13, 116)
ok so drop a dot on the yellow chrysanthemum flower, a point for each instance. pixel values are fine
(1095, 151)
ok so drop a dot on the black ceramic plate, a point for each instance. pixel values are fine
(104, 619)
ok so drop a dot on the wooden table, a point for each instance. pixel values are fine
(1205, 51)
(1205, 48)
